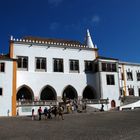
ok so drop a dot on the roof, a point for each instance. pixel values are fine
(6, 57)
(53, 40)
(129, 63)
(107, 58)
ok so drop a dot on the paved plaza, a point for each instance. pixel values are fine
(117, 125)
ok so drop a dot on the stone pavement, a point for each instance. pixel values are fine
(115, 125)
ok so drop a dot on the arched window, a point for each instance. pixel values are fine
(70, 93)
(25, 93)
(89, 93)
(48, 93)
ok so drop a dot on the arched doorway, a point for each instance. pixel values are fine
(89, 93)
(70, 93)
(25, 93)
(48, 93)
(113, 104)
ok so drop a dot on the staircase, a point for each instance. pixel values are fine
(129, 99)
(130, 102)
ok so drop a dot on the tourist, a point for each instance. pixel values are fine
(45, 112)
(33, 115)
(60, 112)
(39, 113)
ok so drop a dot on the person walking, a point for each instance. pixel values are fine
(45, 113)
(33, 115)
(39, 113)
(60, 112)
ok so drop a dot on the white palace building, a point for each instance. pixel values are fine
(38, 72)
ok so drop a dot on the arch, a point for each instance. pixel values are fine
(69, 93)
(48, 93)
(25, 92)
(89, 93)
(113, 104)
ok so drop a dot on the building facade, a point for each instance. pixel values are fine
(38, 71)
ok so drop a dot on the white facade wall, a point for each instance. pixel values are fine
(112, 92)
(6, 82)
(134, 83)
(58, 80)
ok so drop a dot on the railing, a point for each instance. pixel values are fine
(96, 101)
(36, 103)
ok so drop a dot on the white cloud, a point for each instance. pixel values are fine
(54, 2)
(95, 19)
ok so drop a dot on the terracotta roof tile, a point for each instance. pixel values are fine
(73, 42)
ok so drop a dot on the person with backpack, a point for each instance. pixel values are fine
(60, 112)
(46, 113)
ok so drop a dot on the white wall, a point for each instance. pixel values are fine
(134, 83)
(110, 91)
(58, 80)
(6, 84)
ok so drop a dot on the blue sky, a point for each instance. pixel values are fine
(114, 24)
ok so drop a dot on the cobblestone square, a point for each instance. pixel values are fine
(117, 125)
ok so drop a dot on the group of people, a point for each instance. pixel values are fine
(49, 112)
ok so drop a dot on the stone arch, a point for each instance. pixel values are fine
(48, 93)
(113, 104)
(25, 93)
(69, 93)
(89, 93)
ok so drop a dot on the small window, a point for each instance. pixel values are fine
(74, 65)
(110, 79)
(58, 65)
(129, 76)
(122, 76)
(40, 64)
(109, 67)
(131, 91)
(96, 69)
(138, 76)
(2, 67)
(139, 91)
(103, 66)
(88, 66)
(22, 62)
(0, 91)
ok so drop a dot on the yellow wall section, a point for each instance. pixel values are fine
(11, 49)
(124, 80)
(96, 53)
(14, 88)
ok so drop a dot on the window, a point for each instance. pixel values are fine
(22, 62)
(131, 91)
(110, 80)
(129, 76)
(74, 65)
(139, 91)
(138, 76)
(88, 66)
(96, 67)
(122, 76)
(109, 67)
(2, 67)
(58, 65)
(0, 91)
(40, 63)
